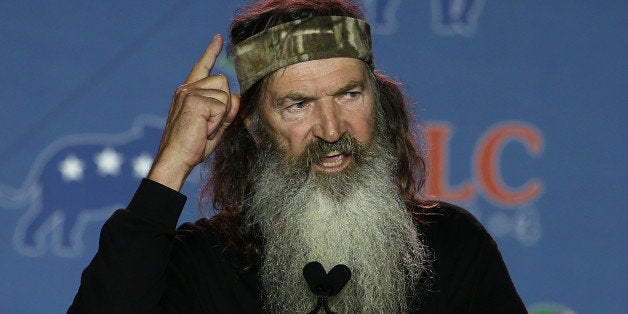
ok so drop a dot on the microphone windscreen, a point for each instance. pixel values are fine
(338, 278)
(314, 275)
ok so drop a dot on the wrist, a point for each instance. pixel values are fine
(170, 175)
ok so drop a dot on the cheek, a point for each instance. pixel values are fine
(296, 137)
(362, 125)
(363, 131)
(290, 137)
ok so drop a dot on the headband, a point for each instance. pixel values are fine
(319, 37)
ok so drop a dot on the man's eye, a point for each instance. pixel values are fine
(297, 106)
(296, 110)
(350, 97)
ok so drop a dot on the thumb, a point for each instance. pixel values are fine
(233, 110)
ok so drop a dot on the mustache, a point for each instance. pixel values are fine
(298, 166)
(319, 148)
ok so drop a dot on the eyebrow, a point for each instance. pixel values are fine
(349, 86)
(298, 96)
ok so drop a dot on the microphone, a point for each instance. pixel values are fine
(325, 285)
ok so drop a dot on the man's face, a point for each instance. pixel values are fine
(323, 190)
(321, 99)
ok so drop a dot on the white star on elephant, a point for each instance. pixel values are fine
(141, 165)
(108, 162)
(72, 168)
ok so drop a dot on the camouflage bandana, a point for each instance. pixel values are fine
(319, 37)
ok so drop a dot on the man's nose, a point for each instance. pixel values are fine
(330, 125)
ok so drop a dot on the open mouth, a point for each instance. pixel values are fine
(332, 161)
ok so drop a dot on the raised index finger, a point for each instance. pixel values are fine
(205, 64)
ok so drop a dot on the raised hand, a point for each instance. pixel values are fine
(201, 109)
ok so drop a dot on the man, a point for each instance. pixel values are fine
(316, 161)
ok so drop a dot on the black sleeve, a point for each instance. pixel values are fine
(205, 277)
(470, 275)
(128, 273)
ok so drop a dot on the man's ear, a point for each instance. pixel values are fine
(249, 124)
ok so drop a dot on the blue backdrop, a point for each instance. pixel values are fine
(523, 103)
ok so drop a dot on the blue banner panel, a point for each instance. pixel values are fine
(522, 104)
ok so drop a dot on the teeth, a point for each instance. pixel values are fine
(332, 159)
(333, 164)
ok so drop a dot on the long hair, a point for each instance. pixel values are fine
(227, 185)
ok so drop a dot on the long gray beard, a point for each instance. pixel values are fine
(356, 218)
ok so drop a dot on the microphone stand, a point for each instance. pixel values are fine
(322, 302)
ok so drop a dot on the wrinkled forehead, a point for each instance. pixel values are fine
(316, 78)
(315, 38)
